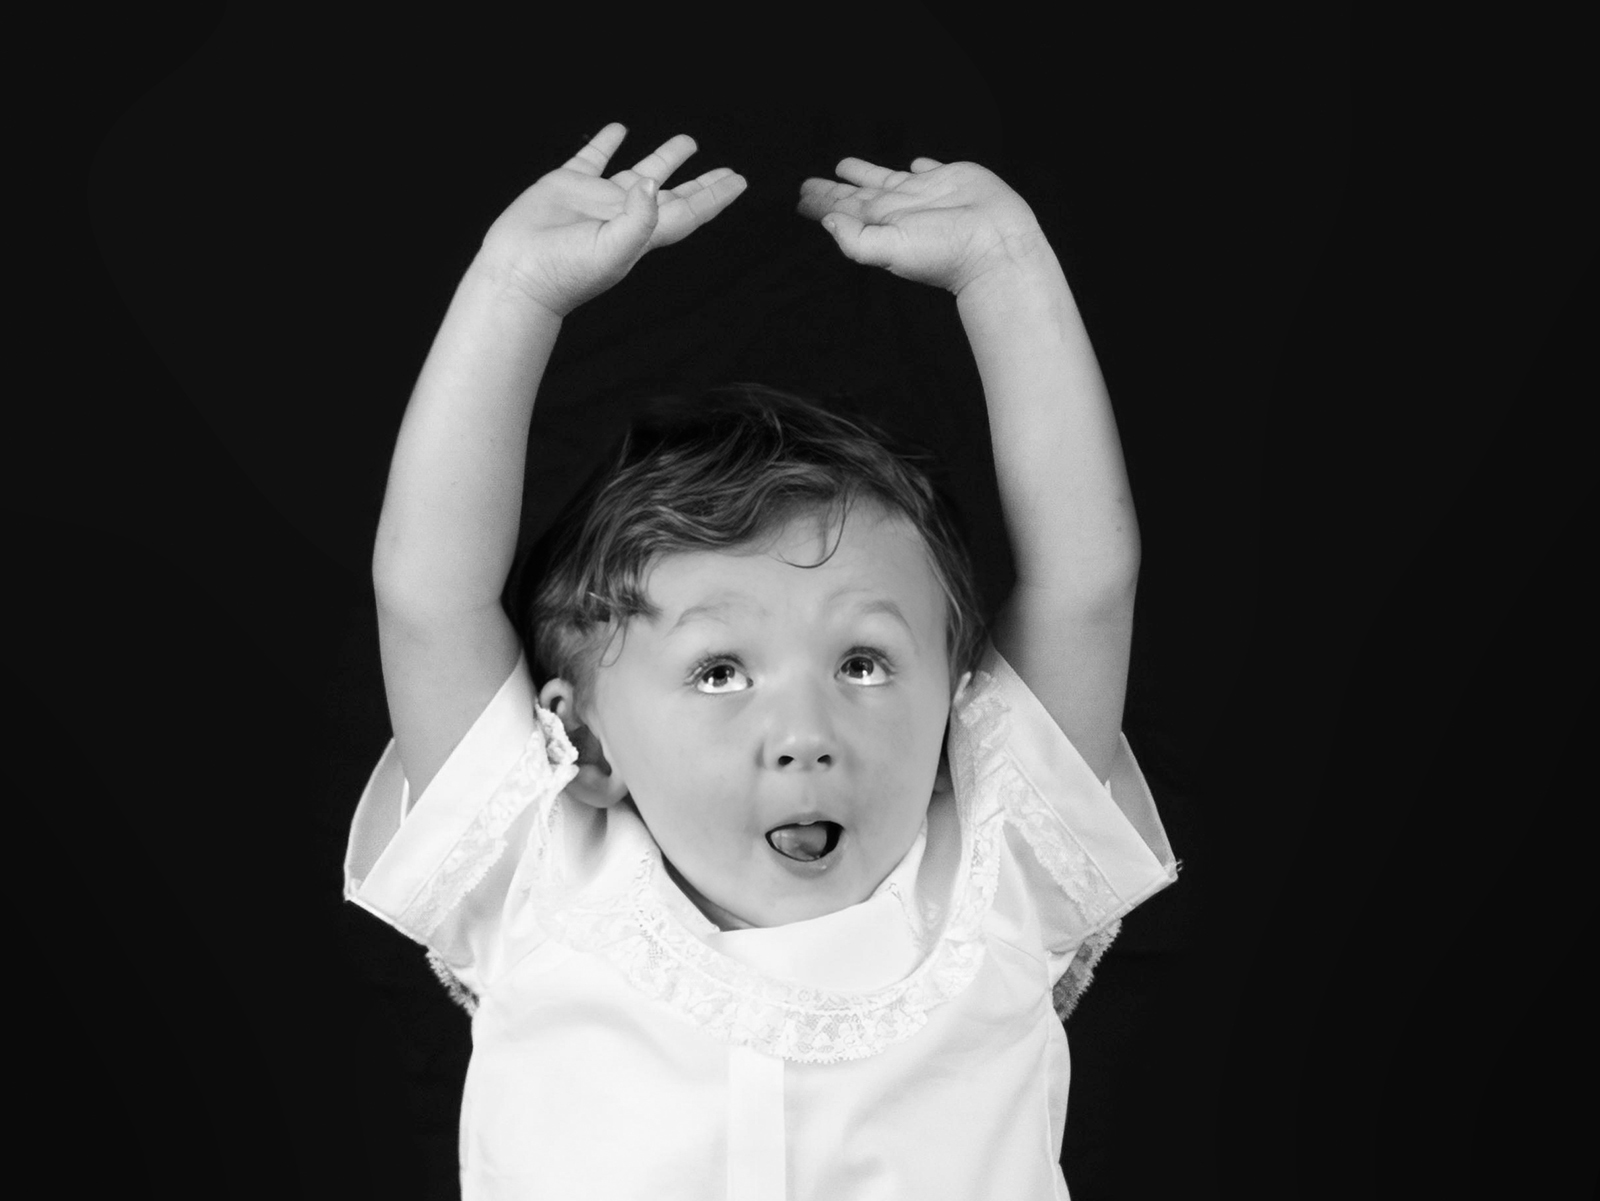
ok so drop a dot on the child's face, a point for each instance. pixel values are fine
(767, 695)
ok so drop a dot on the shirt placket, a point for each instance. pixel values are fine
(757, 1151)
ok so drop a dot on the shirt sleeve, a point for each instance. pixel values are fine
(1086, 851)
(436, 868)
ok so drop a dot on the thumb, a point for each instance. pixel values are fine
(865, 244)
(627, 235)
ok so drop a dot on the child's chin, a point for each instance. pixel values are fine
(787, 900)
(808, 903)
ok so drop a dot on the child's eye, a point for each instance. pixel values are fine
(865, 667)
(720, 675)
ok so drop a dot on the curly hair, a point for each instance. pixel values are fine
(714, 471)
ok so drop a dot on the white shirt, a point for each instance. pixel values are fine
(624, 1047)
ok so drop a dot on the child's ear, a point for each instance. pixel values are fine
(596, 784)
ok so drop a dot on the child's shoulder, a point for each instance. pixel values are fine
(1088, 850)
(413, 858)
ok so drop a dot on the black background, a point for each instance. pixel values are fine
(1338, 266)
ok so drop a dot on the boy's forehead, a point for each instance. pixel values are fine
(874, 562)
(727, 606)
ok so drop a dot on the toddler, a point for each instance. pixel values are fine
(774, 873)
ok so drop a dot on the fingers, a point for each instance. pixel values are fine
(658, 165)
(706, 180)
(690, 205)
(629, 234)
(869, 245)
(870, 193)
(819, 197)
(867, 175)
(592, 159)
(699, 194)
(666, 159)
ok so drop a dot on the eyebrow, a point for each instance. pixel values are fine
(718, 609)
(881, 605)
(711, 610)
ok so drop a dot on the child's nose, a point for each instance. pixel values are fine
(800, 734)
(802, 753)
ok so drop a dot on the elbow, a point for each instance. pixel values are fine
(1108, 590)
(389, 576)
(402, 585)
(1110, 572)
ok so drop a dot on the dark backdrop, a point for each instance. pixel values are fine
(1338, 269)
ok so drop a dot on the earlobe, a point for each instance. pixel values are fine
(597, 784)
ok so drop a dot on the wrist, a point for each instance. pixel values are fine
(503, 281)
(1017, 293)
(1021, 268)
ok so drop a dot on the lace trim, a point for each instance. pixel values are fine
(1051, 841)
(547, 765)
(1080, 972)
(637, 932)
(459, 992)
(1048, 837)
(1057, 850)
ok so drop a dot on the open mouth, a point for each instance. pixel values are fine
(805, 841)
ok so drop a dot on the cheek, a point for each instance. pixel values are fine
(635, 745)
(678, 775)
(925, 715)
(905, 748)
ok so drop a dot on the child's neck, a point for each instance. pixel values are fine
(714, 913)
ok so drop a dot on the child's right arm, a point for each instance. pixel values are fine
(448, 530)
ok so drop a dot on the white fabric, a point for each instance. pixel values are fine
(757, 1143)
(623, 1047)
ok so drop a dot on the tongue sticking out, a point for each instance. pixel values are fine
(807, 842)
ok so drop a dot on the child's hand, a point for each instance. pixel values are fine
(574, 234)
(945, 224)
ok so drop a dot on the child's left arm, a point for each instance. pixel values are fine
(1067, 626)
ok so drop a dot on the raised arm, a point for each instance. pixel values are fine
(1066, 628)
(448, 530)
(1068, 624)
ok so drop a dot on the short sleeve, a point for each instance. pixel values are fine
(1087, 851)
(437, 869)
